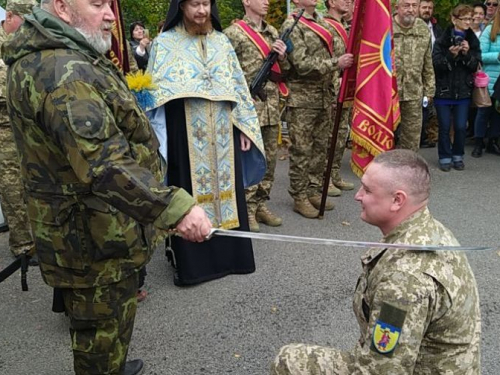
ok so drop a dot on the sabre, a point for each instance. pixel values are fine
(329, 242)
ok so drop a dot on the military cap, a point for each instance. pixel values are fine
(20, 7)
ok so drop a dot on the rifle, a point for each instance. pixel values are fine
(265, 73)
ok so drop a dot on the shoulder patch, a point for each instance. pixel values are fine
(387, 329)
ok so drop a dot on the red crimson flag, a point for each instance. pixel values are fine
(371, 83)
(119, 47)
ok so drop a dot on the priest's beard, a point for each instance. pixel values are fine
(195, 29)
(96, 39)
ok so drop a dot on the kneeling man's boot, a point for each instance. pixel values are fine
(316, 202)
(264, 215)
(304, 207)
(134, 367)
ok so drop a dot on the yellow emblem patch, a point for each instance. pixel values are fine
(385, 337)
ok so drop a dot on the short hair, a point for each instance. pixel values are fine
(410, 172)
(461, 10)
(480, 5)
(427, 1)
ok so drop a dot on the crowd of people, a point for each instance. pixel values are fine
(104, 180)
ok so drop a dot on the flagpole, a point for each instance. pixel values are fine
(331, 154)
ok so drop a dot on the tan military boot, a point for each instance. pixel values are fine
(343, 185)
(252, 221)
(265, 216)
(304, 207)
(333, 191)
(316, 202)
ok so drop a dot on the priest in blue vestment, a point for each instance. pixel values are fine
(210, 138)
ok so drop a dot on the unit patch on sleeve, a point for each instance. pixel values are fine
(387, 329)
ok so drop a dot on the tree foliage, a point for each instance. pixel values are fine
(276, 14)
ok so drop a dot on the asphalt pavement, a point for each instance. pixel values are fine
(299, 293)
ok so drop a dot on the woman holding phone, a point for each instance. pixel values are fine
(140, 44)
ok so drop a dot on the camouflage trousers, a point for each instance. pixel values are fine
(308, 128)
(12, 195)
(300, 359)
(259, 193)
(102, 321)
(341, 143)
(409, 130)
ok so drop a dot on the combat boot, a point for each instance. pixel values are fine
(316, 202)
(343, 185)
(252, 221)
(333, 191)
(265, 216)
(134, 367)
(304, 207)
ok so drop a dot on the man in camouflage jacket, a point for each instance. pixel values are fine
(336, 10)
(309, 107)
(418, 311)
(90, 168)
(414, 71)
(268, 110)
(11, 187)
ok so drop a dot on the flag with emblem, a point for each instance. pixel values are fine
(371, 83)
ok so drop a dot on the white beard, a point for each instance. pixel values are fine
(97, 40)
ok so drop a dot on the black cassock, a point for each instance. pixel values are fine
(220, 256)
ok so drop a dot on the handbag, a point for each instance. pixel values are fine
(480, 95)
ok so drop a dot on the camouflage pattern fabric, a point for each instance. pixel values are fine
(20, 7)
(410, 129)
(309, 130)
(435, 292)
(101, 325)
(268, 111)
(413, 52)
(11, 188)
(311, 67)
(89, 158)
(260, 193)
(341, 144)
(12, 193)
(251, 61)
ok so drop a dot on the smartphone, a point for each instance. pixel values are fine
(146, 33)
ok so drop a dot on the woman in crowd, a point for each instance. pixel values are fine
(456, 57)
(478, 18)
(491, 9)
(140, 44)
(490, 49)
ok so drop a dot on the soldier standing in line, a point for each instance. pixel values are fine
(90, 168)
(309, 106)
(414, 70)
(418, 311)
(336, 10)
(253, 39)
(11, 186)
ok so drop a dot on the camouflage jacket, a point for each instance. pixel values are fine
(339, 49)
(414, 70)
(88, 158)
(4, 117)
(431, 296)
(311, 67)
(251, 61)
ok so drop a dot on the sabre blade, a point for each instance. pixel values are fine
(330, 242)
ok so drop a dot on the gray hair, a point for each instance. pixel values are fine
(410, 172)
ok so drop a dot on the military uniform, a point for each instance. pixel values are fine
(340, 49)
(415, 75)
(418, 312)
(309, 107)
(11, 187)
(268, 111)
(90, 168)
